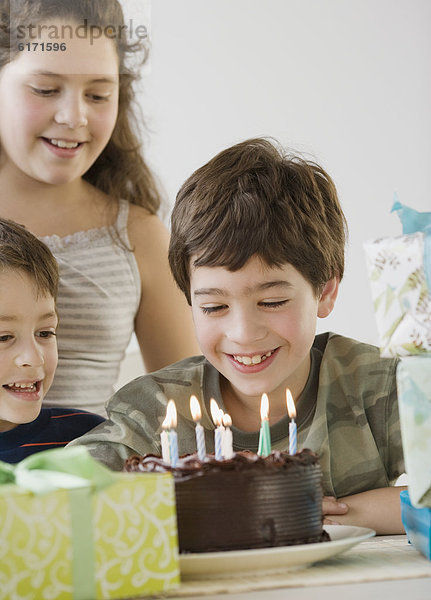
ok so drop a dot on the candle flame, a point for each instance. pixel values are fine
(165, 424)
(215, 412)
(290, 405)
(195, 409)
(227, 421)
(170, 421)
(264, 407)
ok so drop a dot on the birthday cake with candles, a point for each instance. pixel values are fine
(246, 501)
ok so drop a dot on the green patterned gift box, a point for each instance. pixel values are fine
(399, 270)
(401, 294)
(72, 529)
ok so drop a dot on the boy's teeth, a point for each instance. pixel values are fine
(22, 386)
(63, 144)
(252, 360)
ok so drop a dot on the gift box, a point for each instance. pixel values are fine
(414, 400)
(399, 270)
(400, 293)
(72, 529)
(417, 523)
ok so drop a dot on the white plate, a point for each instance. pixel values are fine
(224, 564)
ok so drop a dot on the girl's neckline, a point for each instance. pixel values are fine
(65, 239)
(77, 238)
(88, 235)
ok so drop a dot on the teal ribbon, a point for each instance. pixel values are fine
(412, 222)
(75, 470)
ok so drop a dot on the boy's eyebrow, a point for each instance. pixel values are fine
(248, 290)
(10, 318)
(97, 79)
(49, 315)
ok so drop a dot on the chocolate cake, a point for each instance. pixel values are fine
(245, 502)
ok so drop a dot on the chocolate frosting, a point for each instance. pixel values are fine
(244, 502)
(191, 466)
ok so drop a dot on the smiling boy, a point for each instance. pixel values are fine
(257, 247)
(28, 349)
(252, 326)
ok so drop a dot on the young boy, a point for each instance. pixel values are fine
(257, 247)
(28, 349)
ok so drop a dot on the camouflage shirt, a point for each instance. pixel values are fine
(347, 413)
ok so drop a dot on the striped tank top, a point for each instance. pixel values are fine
(98, 299)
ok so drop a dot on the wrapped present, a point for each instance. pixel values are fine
(400, 276)
(417, 523)
(414, 399)
(71, 528)
(414, 222)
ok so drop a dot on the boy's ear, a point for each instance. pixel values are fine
(328, 297)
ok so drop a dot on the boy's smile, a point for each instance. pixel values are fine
(253, 363)
(256, 326)
(28, 348)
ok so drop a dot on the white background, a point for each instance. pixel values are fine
(345, 82)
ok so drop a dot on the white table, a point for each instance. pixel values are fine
(382, 568)
(404, 589)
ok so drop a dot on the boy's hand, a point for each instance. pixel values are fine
(330, 507)
(378, 509)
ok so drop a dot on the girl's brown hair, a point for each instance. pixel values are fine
(254, 199)
(120, 171)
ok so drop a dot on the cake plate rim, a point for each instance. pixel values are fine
(204, 565)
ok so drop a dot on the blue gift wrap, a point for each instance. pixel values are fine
(417, 523)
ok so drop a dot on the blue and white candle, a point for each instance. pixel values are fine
(292, 425)
(195, 409)
(173, 447)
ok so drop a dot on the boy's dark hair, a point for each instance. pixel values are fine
(256, 199)
(21, 251)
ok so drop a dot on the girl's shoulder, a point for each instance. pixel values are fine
(147, 233)
(142, 215)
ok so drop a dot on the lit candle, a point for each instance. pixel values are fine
(227, 449)
(164, 440)
(218, 433)
(195, 409)
(171, 414)
(292, 425)
(222, 429)
(264, 435)
(220, 419)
